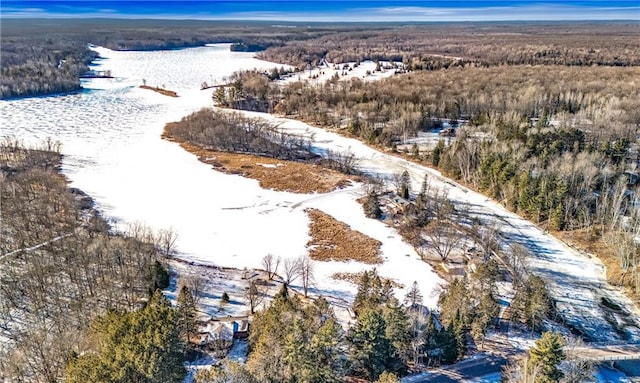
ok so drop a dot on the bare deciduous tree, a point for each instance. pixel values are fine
(444, 237)
(166, 241)
(291, 270)
(306, 273)
(196, 285)
(271, 264)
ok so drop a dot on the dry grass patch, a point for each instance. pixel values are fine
(355, 279)
(163, 91)
(280, 175)
(332, 240)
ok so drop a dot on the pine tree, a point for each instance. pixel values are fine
(436, 154)
(446, 341)
(398, 332)
(326, 353)
(140, 346)
(414, 296)
(370, 350)
(456, 298)
(186, 308)
(430, 338)
(404, 188)
(458, 331)
(297, 354)
(372, 206)
(548, 354)
(361, 299)
(421, 199)
(486, 310)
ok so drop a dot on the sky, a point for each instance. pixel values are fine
(330, 10)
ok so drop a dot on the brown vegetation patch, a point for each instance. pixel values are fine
(280, 175)
(355, 279)
(332, 240)
(165, 92)
(590, 241)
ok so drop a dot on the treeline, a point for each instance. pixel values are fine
(232, 132)
(499, 100)
(60, 266)
(52, 66)
(40, 57)
(541, 140)
(437, 46)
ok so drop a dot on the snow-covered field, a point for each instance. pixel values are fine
(365, 71)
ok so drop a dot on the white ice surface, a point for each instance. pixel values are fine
(113, 151)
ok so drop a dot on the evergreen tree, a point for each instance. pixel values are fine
(326, 353)
(456, 299)
(299, 363)
(372, 206)
(414, 296)
(370, 351)
(457, 328)
(532, 303)
(141, 346)
(404, 187)
(486, 310)
(548, 354)
(159, 277)
(372, 293)
(448, 346)
(436, 154)
(398, 332)
(431, 338)
(186, 310)
(421, 199)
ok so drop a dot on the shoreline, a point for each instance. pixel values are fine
(271, 173)
(165, 92)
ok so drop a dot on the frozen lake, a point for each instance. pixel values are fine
(110, 135)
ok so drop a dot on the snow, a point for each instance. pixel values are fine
(113, 151)
(322, 74)
(610, 375)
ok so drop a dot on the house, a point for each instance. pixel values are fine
(216, 331)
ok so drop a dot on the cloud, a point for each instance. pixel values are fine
(538, 12)
(387, 13)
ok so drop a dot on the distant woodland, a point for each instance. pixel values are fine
(47, 56)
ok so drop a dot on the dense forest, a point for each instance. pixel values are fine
(432, 46)
(48, 56)
(61, 266)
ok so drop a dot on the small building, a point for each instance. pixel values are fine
(241, 329)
